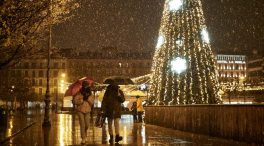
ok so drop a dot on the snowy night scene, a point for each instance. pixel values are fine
(131, 72)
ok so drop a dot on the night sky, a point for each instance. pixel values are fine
(235, 26)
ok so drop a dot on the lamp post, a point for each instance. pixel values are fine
(46, 122)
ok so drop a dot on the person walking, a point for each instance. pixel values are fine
(140, 109)
(111, 107)
(83, 109)
(134, 111)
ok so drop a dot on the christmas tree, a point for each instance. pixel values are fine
(183, 69)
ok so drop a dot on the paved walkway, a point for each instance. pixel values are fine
(25, 130)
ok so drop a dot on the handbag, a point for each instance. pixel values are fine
(100, 120)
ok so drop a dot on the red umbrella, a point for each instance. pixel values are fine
(76, 86)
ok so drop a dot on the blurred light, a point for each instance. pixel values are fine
(179, 42)
(143, 134)
(178, 65)
(63, 75)
(205, 36)
(160, 41)
(125, 135)
(175, 5)
(242, 78)
(143, 87)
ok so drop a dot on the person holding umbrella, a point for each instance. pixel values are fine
(111, 108)
(84, 102)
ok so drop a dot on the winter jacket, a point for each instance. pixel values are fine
(112, 100)
(86, 105)
(139, 105)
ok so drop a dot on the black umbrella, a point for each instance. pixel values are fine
(118, 81)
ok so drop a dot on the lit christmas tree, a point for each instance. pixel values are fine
(183, 69)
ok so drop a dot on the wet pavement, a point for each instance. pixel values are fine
(25, 129)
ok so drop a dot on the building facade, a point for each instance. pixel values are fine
(231, 67)
(73, 65)
(33, 74)
(107, 62)
(256, 70)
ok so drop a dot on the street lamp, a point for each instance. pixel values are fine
(46, 122)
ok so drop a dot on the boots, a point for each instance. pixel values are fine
(118, 138)
(111, 140)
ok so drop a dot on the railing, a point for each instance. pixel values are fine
(237, 122)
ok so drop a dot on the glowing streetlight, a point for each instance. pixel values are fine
(178, 65)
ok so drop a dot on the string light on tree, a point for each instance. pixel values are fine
(205, 36)
(179, 42)
(160, 41)
(191, 77)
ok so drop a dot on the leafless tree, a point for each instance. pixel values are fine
(23, 26)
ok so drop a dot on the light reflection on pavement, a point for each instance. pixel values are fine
(65, 130)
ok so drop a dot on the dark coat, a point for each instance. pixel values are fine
(111, 104)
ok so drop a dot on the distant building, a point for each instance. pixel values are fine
(70, 65)
(33, 73)
(231, 67)
(256, 70)
(107, 62)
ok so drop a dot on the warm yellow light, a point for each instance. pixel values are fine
(242, 78)
(63, 75)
